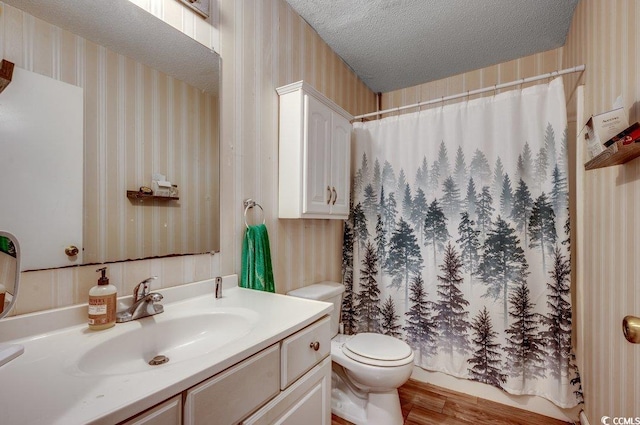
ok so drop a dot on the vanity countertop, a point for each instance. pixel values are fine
(45, 386)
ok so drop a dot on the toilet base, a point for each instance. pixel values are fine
(374, 408)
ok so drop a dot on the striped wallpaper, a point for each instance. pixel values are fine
(605, 36)
(264, 44)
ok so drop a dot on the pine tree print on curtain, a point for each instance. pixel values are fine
(457, 241)
(485, 363)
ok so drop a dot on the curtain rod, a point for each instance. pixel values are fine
(578, 68)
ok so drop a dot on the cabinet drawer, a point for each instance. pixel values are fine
(299, 353)
(166, 413)
(306, 402)
(232, 395)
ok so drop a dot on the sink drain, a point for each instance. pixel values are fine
(158, 360)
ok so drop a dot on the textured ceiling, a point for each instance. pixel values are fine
(392, 44)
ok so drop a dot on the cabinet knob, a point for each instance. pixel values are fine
(71, 251)
(335, 195)
(329, 190)
(315, 345)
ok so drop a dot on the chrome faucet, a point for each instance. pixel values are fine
(144, 303)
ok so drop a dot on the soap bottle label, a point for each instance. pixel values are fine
(102, 310)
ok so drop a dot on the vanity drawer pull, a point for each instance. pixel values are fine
(315, 345)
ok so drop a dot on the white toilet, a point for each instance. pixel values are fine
(367, 368)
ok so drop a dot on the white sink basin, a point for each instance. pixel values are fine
(178, 337)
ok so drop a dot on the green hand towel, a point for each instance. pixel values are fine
(256, 260)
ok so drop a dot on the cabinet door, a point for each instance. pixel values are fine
(317, 157)
(306, 402)
(340, 165)
(41, 145)
(166, 413)
(232, 395)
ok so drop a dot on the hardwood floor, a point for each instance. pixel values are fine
(426, 404)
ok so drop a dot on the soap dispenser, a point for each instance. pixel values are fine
(102, 303)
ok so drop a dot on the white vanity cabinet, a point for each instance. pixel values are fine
(248, 356)
(286, 383)
(314, 154)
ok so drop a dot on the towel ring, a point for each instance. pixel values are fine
(248, 204)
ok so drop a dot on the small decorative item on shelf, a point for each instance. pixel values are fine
(602, 127)
(609, 139)
(629, 135)
(145, 190)
(173, 192)
(160, 185)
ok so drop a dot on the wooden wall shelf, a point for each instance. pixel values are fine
(615, 154)
(134, 194)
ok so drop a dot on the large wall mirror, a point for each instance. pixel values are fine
(150, 103)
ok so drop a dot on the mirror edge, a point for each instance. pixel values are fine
(16, 285)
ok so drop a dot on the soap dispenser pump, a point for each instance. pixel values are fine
(102, 303)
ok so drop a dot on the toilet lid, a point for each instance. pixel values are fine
(378, 349)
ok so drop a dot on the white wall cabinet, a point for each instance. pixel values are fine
(315, 155)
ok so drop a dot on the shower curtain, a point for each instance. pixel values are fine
(458, 240)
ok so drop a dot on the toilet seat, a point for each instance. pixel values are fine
(378, 350)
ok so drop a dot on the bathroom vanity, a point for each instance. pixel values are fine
(249, 357)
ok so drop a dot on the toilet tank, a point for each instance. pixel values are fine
(330, 292)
